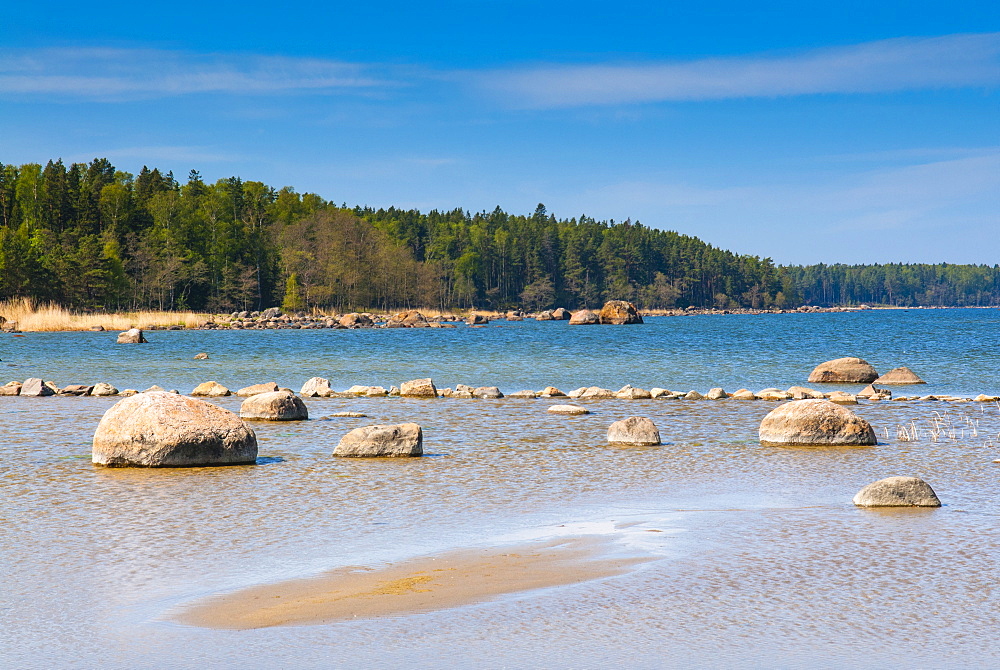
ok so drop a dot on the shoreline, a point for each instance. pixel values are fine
(54, 319)
(441, 581)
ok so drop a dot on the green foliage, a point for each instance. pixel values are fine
(90, 236)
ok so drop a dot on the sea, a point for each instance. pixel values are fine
(754, 555)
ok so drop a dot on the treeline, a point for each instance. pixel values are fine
(897, 284)
(89, 236)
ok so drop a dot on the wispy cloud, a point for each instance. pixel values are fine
(143, 73)
(884, 66)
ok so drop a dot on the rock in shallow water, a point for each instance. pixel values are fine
(815, 422)
(570, 410)
(405, 439)
(897, 492)
(849, 370)
(635, 430)
(158, 429)
(132, 336)
(274, 406)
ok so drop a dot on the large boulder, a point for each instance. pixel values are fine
(584, 317)
(274, 406)
(157, 429)
(635, 430)
(545, 316)
(815, 422)
(256, 389)
(477, 320)
(316, 387)
(418, 388)
(405, 439)
(619, 312)
(36, 388)
(897, 492)
(901, 375)
(211, 390)
(848, 370)
(132, 336)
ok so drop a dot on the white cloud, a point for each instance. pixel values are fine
(141, 73)
(884, 66)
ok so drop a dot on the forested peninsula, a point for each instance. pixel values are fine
(91, 237)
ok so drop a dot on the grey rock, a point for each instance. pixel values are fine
(132, 336)
(274, 406)
(404, 439)
(35, 388)
(635, 430)
(157, 429)
(897, 492)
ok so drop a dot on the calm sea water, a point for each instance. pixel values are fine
(761, 560)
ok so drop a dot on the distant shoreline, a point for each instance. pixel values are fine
(56, 319)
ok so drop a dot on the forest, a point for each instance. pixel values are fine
(92, 237)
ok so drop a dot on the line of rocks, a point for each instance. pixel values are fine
(319, 387)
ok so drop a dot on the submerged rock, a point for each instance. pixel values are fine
(76, 389)
(897, 492)
(201, 357)
(274, 406)
(815, 422)
(572, 410)
(132, 336)
(405, 439)
(848, 370)
(619, 312)
(158, 429)
(527, 393)
(635, 430)
(843, 398)
(551, 392)
(901, 375)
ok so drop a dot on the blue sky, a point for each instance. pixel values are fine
(804, 132)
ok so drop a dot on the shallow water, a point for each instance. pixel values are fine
(760, 557)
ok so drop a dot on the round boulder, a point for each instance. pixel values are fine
(897, 492)
(815, 422)
(405, 439)
(158, 429)
(635, 430)
(848, 370)
(274, 406)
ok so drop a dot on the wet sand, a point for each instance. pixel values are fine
(437, 582)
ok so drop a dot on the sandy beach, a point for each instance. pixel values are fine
(422, 584)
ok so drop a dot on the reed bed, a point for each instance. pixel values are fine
(49, 317)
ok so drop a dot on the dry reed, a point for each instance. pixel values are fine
(30, 316)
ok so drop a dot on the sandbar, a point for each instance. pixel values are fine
(452, 579)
